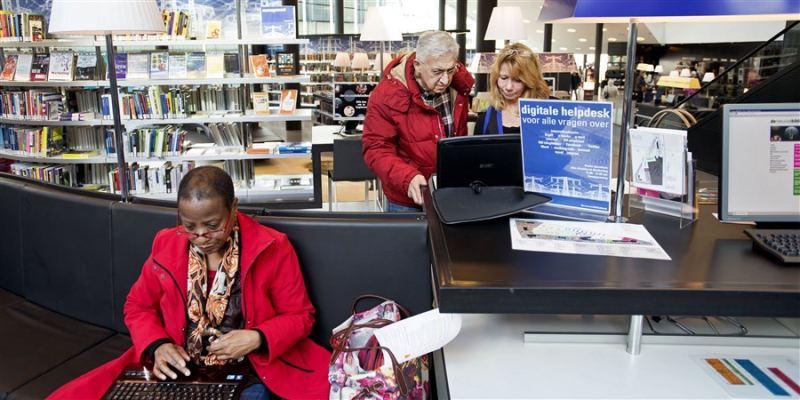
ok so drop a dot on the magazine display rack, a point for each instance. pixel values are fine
(183, 103)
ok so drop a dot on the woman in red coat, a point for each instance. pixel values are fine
(220, 288)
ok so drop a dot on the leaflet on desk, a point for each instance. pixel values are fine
(419, 335)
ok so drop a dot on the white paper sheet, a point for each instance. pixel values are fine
(418, 335)
(760, 377)
(593, 238)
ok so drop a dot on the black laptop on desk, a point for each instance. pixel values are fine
(480, 178)
(205, 383)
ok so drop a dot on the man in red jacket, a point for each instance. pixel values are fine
(423, 98)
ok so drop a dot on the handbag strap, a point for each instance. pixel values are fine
(402, 309)
(338, 346)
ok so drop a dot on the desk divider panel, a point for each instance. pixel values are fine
(66, 247)
(342, 259)
(133, 228)
(11, 272)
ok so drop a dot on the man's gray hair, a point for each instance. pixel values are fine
(436, 44)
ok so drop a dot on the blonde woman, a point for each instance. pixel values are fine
(515, 74)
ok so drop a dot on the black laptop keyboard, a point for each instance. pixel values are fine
(171, 391)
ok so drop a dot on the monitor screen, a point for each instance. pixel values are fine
(760, 163)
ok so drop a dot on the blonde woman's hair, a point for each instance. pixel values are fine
(523, 65)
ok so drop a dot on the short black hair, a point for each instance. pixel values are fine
(207, 182)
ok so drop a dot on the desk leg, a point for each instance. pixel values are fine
(316, 168)
(634, 346)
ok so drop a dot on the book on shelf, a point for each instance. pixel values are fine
(285, 65)
(261, 103)
(232, 64)
(288, 101)
(9, 68)
(61, 66)
(121, 65)
(213, 29)
(36, 31)
(177, 66)
(225, 134)
(86, 67)
(138, 66)
(262, 148)
(78, 154)
(76, 116)
(258, 66)
(278, 22)
(196, 65)
(215, 65)
(40, 67)
(294, 147)
(159, 65)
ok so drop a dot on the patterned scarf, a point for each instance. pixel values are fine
(207, 311)
(441, 102)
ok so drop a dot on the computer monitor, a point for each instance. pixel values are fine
(760, 178)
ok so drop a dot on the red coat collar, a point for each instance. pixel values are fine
(171, 250)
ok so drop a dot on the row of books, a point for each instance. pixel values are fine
(165, 65)
(154, 141)
(34, 104)
(56, 66)
(35, 142)
(156, 102)
(151, 177)
(19, 27)
(58, 174)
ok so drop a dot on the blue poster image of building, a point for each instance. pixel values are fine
(277, 22)
(566, 150)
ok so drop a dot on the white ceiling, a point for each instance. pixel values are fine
(563, 39)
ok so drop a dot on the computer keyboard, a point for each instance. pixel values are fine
(783, 244)
(171, 391)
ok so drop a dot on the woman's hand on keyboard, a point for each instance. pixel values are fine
(168, 359)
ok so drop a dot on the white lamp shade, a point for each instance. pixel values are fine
(674, 73)
(103, 17)
(506, 24)
(685, 73)
(380, 25)
(360, 61)
(641, 67)
(708, 77)
(342, 60)
(659, 69)
(650, 68)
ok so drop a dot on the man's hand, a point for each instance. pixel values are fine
(415, 189)
(235, 344)
(169, 357)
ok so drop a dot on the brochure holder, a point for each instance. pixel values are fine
(684, 207)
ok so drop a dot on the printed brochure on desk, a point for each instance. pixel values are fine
(566, 152)
(754, 377)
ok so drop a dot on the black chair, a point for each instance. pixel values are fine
(349, 166)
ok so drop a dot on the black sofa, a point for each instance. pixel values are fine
(69, 259)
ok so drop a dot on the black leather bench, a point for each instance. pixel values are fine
(69, 261)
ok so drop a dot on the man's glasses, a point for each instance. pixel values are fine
(208, 235)
(438, 73)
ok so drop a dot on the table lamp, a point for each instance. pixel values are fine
(674, 74)
(659, 69)
(360, 61)
(505, 24)
(342, 60)
(380, 26)
(708, 77)
(685, 73)
(108, 17)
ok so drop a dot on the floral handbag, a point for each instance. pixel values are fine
(360, 368)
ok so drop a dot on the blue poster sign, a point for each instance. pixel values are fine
(566, 152)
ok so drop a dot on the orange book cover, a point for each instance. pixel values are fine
(288, 101)
(258, 66)
(10, 67)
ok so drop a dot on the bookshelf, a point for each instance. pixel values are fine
(169, 111)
